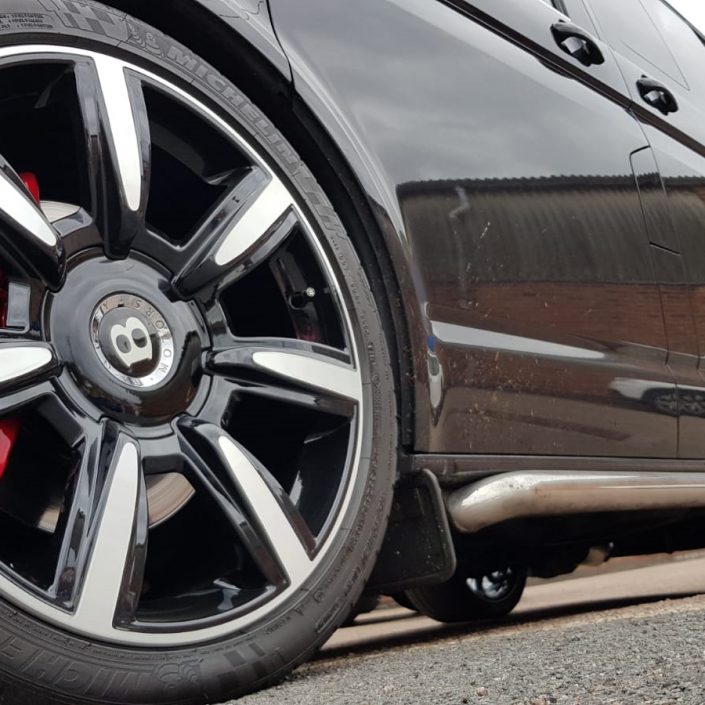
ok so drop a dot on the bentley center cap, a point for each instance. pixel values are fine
(132, 340)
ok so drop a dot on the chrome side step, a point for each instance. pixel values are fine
(520, 495)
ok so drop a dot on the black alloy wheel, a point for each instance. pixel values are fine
(192, 356)
(468, 595)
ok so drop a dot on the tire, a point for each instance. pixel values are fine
(463, 598)
(402, 599)
(323, 394)
(367, 603)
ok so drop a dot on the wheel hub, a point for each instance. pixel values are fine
(130, 351)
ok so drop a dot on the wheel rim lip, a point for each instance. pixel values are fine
(13, 590)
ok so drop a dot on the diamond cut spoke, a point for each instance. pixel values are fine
(25, 233)
(123, 129)
(17, 205)
(273, 518)
(311, 371)
(21, 363)
(216, 479)
(118, 148)
(133, 577)
(268, 510)
(247, 225)
(101, 590)
(255, 222)
(306, 365)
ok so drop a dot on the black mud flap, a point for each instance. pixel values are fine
(418, 547)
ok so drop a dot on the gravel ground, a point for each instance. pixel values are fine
(646, 654)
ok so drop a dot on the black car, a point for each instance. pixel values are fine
(305, 299)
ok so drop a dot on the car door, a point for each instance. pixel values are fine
(663, 60)
(558, 262)
(499, 128)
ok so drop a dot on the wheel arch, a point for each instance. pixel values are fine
(242, 45)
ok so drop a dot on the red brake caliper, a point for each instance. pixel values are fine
(10, 428)
(32, 184)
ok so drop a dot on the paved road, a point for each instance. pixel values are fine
(622, 638)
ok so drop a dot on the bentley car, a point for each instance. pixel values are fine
(303, 302)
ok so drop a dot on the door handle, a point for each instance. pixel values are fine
(657, 95)
(577, 43)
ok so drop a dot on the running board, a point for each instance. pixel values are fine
(522, 495)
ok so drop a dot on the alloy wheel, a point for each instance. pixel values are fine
(495, 585)
(181, 360)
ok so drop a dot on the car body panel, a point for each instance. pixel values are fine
(251, 20)
(523, 235)
(658, 44)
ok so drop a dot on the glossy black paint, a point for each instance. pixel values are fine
(86, 381)
(505, 167)
(109, 211)
(251, 20)
(658, 45)
(45, 260)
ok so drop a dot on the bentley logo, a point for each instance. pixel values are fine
(131, 342)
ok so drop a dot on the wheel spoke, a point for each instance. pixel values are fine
(106, 528)
(216, 479)
(266, 505)
(313, 367)
(118, 148)
(133, 577)
(273, 518)
(13, 402)
(76, 226)
(246, 226)
(89, 482)
(23, 363)
(26, 236)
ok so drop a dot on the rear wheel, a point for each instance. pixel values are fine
(197, 415)
(467, 596)
(402, 599)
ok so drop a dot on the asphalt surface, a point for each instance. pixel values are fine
(627, 637)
